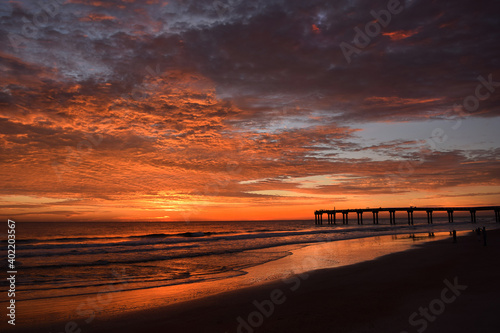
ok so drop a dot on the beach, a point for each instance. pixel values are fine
(456, 283)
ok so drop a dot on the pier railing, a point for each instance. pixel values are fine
(332, 214)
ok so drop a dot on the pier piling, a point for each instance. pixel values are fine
(450, 216)
(360, 217)
(429, 216)
(410, 217)
(392, 217)
(472, 216)
(345, 217)
(332, 214)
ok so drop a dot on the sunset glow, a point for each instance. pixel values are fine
(184, 111)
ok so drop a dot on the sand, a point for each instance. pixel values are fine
(459, 282)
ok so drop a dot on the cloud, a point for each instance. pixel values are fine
(112, 102)
(401, 34)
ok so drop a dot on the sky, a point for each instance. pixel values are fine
(185, 110)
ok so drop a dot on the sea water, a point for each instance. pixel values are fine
(65, 258)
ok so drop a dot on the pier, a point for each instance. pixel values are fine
(332, 214)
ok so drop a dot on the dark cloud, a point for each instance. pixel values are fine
(113, 99)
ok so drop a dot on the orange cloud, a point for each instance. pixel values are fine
(96, 17)
(398, 101)
(401, 34)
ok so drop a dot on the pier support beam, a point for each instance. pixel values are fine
(497, 215)
(392, 217)
(360, 217)
(410, 217)
(429, 217)
(318, 217)
(450, 216)
(375, 216)
(473, 216)
(345, 217)
(334, 217)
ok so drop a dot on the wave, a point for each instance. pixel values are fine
(86, 239)
(154, 246)
(281, 239)
(163, 239)
(135, 285)
(150, 259)
(75, 252)
(187, 234)
(166, 239)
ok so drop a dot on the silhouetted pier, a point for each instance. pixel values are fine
(332, 214)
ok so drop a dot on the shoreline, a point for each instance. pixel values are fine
(299, 258)
(371, 296)
(232, 299)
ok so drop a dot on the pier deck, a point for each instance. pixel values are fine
(332, 214)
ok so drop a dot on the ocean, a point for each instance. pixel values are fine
(63, 259)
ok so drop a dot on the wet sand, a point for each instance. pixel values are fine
(373, 296)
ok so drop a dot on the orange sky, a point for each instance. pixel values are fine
(166, 120)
